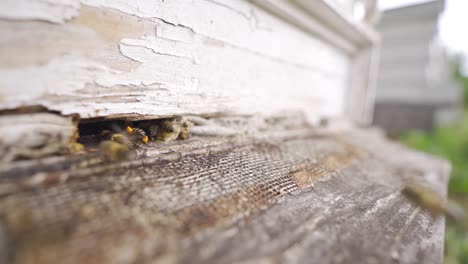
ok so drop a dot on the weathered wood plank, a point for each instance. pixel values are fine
(290, 196)
(155, 58)
(35, 135)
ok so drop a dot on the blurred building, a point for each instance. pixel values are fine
(415, 88)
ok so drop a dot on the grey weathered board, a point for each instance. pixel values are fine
(294, 197)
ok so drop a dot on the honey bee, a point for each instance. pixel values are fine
(137, 135)
(166, 130)
(113, 150)
(169, 130)
(433, 202)
(185, 129)
(150, 128)
(123, 139)
(75, 147)
(153, 131)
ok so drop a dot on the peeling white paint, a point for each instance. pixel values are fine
(226, 24)
(164, 46)
(62, 76)
(203, 57)
(55, 11)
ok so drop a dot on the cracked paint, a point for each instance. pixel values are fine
(54, 11)
(170, 58)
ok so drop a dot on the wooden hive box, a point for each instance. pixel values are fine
(276, 169)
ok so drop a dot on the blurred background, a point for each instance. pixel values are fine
(422, 90)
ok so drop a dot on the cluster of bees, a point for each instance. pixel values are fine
(116, 143)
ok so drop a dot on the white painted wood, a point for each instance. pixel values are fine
(55, 11)
(147, 58)
(35, 135)
(336, 25)
(341, 21)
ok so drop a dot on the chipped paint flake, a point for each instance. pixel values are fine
(171, 58)
(55, 11)
(63, 75)
(163, 46)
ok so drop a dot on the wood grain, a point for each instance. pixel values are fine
(218, 200)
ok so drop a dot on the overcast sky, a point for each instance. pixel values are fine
(453, 23)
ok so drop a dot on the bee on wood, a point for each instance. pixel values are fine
(429, 200)
(137, 135)
(185, 129)
(123, 139)
(169, 130)
(75, 147)
(114, 151)
(153, 131)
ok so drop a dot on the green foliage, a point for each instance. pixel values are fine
(456, 246)
(450, 142)
(459, 77)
